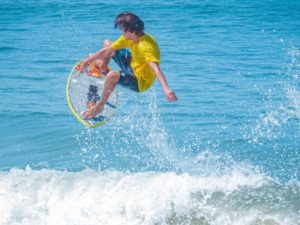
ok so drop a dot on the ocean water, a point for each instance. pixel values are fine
(226, 153)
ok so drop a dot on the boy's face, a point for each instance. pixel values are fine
(127, 34)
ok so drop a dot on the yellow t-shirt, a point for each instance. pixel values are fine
(145, 51)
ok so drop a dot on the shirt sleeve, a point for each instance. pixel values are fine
(121, 42)
(152, 54)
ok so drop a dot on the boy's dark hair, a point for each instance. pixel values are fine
(129, 22)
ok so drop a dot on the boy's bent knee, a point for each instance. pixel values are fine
(113, 75)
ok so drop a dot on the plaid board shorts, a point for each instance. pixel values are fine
(122, 58)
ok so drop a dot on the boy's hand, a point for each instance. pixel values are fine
(171, 96)
(83, 66)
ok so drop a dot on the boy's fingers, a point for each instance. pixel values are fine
(171, 96)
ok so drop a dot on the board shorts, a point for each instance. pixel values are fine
(122, 58)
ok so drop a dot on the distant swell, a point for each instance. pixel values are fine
(7, 49)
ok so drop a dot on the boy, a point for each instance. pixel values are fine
(139, 67)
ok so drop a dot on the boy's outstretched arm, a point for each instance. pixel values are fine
(162, 79)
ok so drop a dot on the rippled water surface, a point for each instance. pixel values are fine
(227, 152)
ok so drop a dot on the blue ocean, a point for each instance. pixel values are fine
(226, 153)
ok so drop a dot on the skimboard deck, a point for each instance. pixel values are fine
(84, 89)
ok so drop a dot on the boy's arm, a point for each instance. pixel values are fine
(104, 53)
(162, 79)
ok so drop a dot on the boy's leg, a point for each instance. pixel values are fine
(111, 80)
(127, 78)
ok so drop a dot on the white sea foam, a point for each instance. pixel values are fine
(90, 197)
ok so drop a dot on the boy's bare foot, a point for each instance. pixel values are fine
(92, 112)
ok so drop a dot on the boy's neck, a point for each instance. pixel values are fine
(136, 38)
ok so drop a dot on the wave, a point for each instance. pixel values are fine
(111, 197)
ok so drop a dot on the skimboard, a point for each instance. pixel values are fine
(84, 91)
